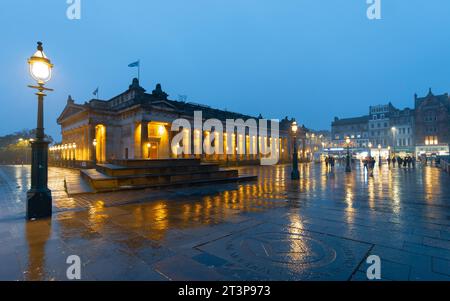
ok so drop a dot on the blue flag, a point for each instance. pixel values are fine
(135, 64)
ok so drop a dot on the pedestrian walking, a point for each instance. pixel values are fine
(372, 165)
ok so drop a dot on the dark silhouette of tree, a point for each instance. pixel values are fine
(15, 148)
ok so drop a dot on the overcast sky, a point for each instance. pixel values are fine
(310, 59)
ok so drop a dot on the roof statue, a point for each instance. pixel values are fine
(159, 93)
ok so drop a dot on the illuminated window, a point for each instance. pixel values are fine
(431, 140)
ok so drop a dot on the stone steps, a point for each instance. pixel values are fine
(102, 183)
(117, 170)
(137, 174)
(139, 163)
(240, 178)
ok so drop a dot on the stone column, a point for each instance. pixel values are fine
(136, 141)
(192, 142)
(90, 142)
(132, 142)
(144, 140)
(111, 147)
(169, 138)
(204, 154)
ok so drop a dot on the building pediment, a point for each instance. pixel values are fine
(70, 110)
(162, 104)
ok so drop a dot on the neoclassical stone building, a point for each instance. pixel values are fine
(137, 125)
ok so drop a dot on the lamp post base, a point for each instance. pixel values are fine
(39, 204)
(295, 175)
(39, 197)
(348, 168)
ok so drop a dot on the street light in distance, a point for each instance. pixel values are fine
(295, 175)
(348, 167)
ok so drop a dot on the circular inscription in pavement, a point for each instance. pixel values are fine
(268, 251)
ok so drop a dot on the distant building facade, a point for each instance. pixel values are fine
(422, 130)
(432, 123)
(402, 130)
(380, 124)
(356, 128)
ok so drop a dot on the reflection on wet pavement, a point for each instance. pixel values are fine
(318, 228)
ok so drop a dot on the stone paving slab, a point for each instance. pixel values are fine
(15, 182)
(76, 185)
(181, 268)
(322, 227)
(294, 255)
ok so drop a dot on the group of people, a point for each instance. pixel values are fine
(330, 161)
(369, 164)
(407, 162)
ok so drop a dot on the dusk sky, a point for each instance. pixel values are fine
(309, 59)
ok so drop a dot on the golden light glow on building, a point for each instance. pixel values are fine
(431, 140)
(161, 130)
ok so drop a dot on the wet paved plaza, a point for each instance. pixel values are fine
(321, 227)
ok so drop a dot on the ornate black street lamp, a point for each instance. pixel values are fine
(39, 197)
(295, 175)
(347, 166)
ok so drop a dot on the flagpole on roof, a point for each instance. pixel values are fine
(96, 93)
(138, 65)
